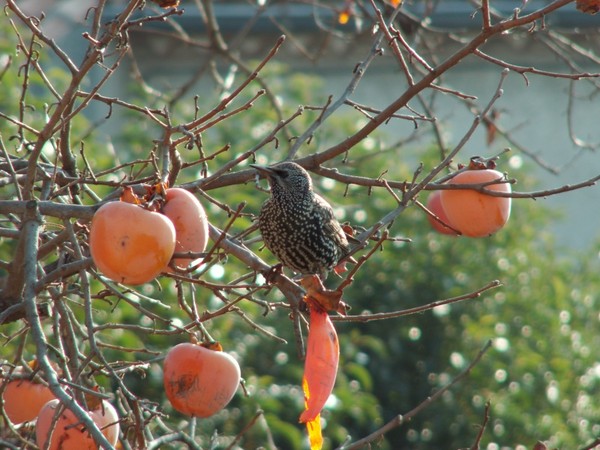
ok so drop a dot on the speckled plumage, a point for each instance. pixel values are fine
(298, 225)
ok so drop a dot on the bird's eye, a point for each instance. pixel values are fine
(282, 173)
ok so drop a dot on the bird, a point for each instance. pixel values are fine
(297, 225)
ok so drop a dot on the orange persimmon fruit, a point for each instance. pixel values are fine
(130, 244)
(473, 213)
(23, 398)
(434, 205)
(69, 434)
(191, 225)
(199, 381)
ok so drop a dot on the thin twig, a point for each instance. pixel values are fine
(418, 309)
(401, 419)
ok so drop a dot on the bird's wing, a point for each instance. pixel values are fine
(330, 224)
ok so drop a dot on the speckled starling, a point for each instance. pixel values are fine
(298, 225)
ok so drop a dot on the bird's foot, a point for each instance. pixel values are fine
(327, 299)
(273, 272)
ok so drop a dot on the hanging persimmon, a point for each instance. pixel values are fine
(24, 396)
(190, 221)
(199, 381)
(474, 213)
(130, 244)
(68, 433)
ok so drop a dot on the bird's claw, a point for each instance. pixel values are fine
(273, 272)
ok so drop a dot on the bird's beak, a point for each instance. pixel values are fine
(263, 170)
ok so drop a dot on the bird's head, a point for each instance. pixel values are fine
(286, 178)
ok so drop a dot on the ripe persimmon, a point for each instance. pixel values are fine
(23, 398)
(191, 225)
(434, 205)
(199, 381)
(473, 213)
(130, 244)
(68, 433)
